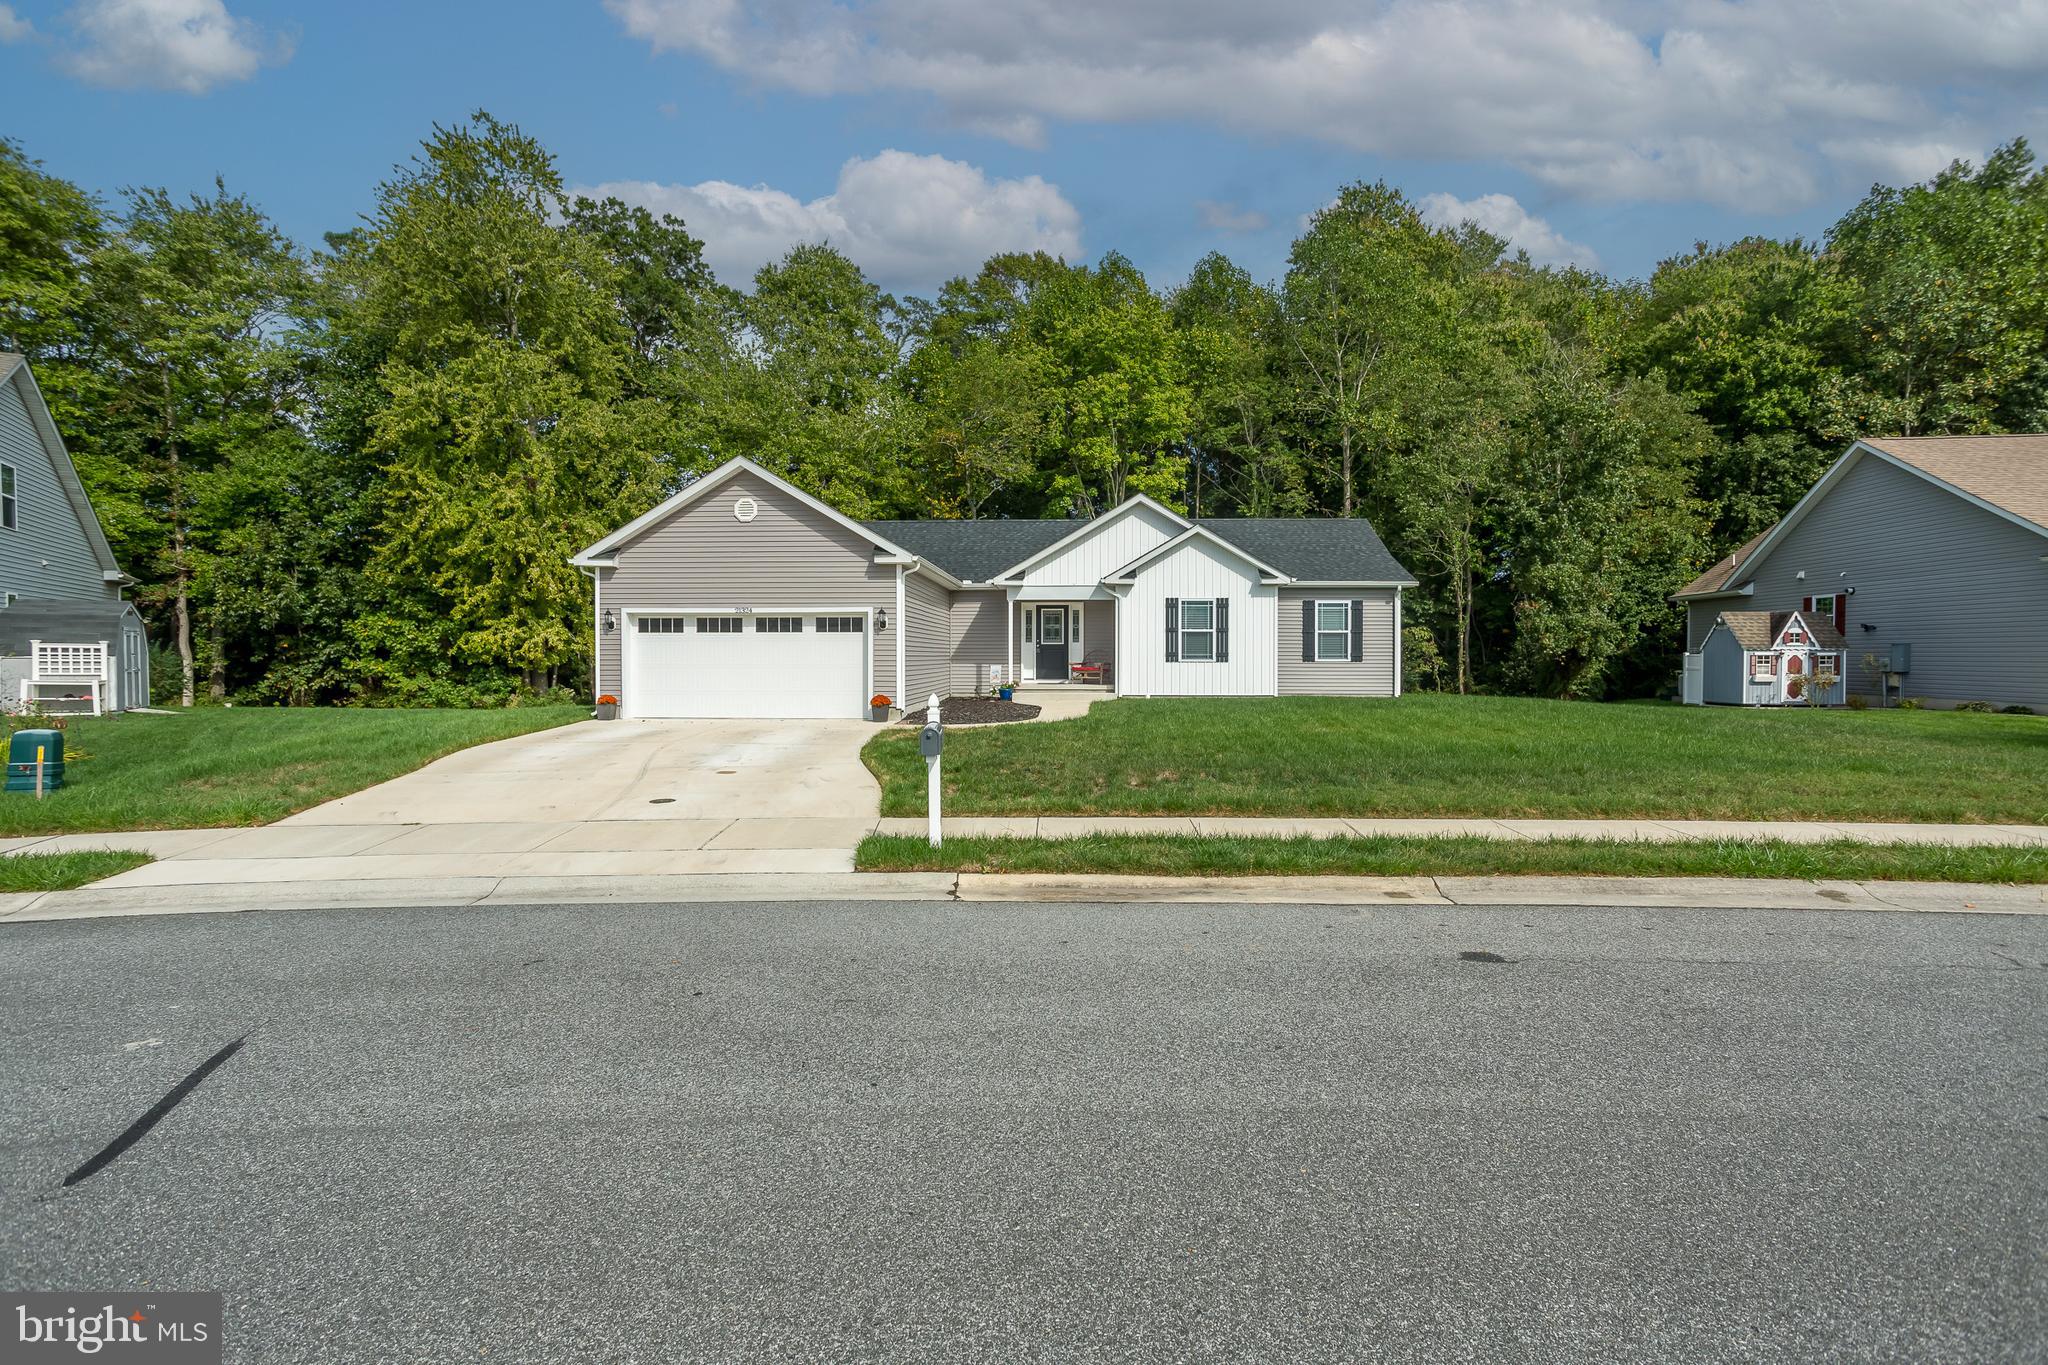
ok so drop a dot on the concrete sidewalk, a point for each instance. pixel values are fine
(103, 901)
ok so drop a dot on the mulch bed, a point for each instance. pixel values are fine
(973, 711)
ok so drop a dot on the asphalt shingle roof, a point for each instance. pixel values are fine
(1758, 629)
(59, 622)
(1324, 549)
(2006, 471)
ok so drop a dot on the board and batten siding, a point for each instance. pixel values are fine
(1372, 676)
(1966, 588)
(789, 555)
(977, 639)
(1197, 569)
(46, 554)
(928, 647)
(1111, 543)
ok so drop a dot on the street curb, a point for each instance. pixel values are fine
(1697, 893)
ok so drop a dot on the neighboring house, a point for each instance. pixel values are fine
(1771, 658)
(1928, 550)
(68, 642)
(744, 596)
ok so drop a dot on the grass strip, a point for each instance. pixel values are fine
(222, 766)
(1459, 856)
(64, 871)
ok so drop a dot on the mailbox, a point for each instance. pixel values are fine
(931, 740)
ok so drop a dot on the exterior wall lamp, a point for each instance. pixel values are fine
(881, 619)
(611, 621)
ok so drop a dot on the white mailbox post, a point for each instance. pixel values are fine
(931, 742)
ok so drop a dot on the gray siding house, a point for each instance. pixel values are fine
(68, 641)
(1935, 543)
(744, 596)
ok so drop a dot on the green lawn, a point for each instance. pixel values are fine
(1486, 756)
(63, 871)
(1405, 856)
(244, 765)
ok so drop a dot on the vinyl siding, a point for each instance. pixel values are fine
(1197, 569)
(47, 554)
(1965, 588)
(788, 556)
(977, 639)
(1700, 617)
(1373, 676)
(928, 648)
(1109, 545)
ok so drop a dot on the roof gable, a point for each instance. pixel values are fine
(2023, 476)
(15, 370)
(600, 552)
(1092, 527)
(1194, 533)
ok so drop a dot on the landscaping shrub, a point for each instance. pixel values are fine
(2015, 710)
(1856, 703)
(1976, 707)
(1911, 703)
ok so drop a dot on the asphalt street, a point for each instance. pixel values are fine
(983, 1132)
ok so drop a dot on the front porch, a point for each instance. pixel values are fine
(1063, 639)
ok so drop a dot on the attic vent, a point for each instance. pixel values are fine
(746, 509)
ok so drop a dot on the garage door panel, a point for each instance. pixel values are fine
(700, 667)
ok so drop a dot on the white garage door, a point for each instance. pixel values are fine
(762, 663)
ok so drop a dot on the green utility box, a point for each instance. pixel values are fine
(21, 760)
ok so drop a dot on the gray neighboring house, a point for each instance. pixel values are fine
(68, 641)
(1931, 551)
(744, 596)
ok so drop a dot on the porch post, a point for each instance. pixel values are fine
(1010, 634)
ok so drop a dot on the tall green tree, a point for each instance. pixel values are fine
(1235, 337)
(187, 301)
(501, 415)
(49, 231)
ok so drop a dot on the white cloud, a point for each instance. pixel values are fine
(1224, 217)
(1503, 216)
(1739, 104)
(909, 221)
(184, 45)
(14, 28)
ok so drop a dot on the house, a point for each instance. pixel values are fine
(744, 596)
(1772, 658)
(68, 640)
(1927, 554)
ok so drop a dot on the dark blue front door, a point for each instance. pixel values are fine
(1052, 644)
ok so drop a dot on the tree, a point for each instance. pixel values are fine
(1951, 295)
(1234, 335)
(186, 300)
(508, 437)
(989, 409)
(1363, 299)
(49, 230)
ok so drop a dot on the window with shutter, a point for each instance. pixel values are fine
(1173, 630)
(1222, 630)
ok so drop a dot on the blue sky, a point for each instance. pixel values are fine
(921, 135)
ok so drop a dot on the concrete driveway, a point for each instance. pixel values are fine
(621, 800)
(633, 770)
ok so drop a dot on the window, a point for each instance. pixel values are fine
(7, 496)
(1030, 616)
(1828, 663)
(1794, 635)
(719, 625)
(778, 625)
(1333, 632)
(1824, 608)
(1197, 630)
(660, 625)
(840, 625)
(1763, 667)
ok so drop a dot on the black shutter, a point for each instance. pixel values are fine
(1841, 613)
(1357, 631)
(1222, 630)
(1308, 632)
(1173, 630)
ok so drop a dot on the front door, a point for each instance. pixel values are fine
(1052, 644)
(1795, 672)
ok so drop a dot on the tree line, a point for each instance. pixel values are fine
(355, 474)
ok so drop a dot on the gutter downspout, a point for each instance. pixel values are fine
(1397, 642)
(596, 636)
(902, 696)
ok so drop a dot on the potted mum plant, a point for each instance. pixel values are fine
(878, 707)
(607, 707)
